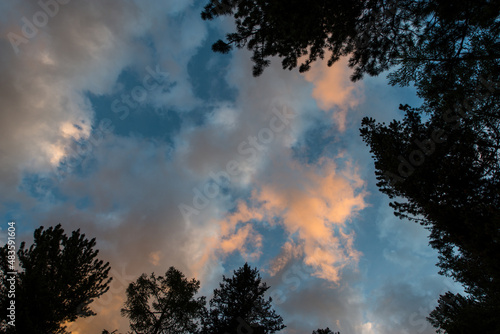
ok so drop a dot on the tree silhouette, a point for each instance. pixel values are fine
(60, 276)
(441, 163)
(377, 34)
(458, 314)
(164, 304)
(324, 331)
(444, 173)
(239, 306)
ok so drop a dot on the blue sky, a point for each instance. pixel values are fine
(117, 118)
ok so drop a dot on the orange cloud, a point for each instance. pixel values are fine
(154, 258)
(314, 211)
(244, 236)
(333, 89)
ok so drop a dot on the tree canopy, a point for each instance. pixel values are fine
(419, 36)
(446, 177)
(168, 305)
(239, 305)
(324, 331)
(59, 277)
(164, 304)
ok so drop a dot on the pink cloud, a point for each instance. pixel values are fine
(333, 89)
(314, 211)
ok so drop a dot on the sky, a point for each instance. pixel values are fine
(118, 119)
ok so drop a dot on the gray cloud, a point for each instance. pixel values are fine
(42, 101)
(128, 191)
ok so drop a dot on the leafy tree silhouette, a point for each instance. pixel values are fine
(164, 304)
(458, 314)
(167, 305)
(60, 276)
(324, 331)
(376, 35)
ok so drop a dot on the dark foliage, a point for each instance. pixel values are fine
(441, 166)
(239, 306)
(167, 305)
(376, 34)
(164, 304)
(60, 276)
(324, 331)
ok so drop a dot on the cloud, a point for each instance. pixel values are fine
(313, 205)
(312, 303)
(81, 48)
(245, 236)
(402, 307)
(126, 190)
(133, 193)
(43, 106)
(289, 252)
(333, 89)
(154, 258)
